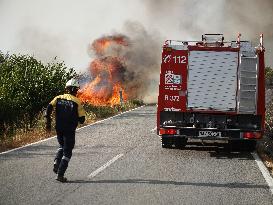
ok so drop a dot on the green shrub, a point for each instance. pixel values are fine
(26, 87)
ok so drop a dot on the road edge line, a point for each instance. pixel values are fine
(97, 122)
(264, 170)
(103, 167)
(27, 145)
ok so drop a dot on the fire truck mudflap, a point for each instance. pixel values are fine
(211, 90)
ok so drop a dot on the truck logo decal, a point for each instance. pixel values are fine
(167, 58)
(171, 78)
(176, 79)
(172, 81)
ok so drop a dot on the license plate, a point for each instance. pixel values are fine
(209, 134)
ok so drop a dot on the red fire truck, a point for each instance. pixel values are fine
(211, 90)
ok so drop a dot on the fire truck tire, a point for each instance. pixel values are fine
(181, 142)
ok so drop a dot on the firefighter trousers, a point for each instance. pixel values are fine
(66, 141)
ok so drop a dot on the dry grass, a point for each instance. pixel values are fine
(34, 135)
(21, 137)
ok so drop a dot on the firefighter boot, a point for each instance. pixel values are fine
(62, 168)
(61, 178)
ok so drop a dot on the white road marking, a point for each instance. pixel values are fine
(103, 167)
(110, 118)
(18, 148)
(264, 171)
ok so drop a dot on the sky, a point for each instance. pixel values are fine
(66, 28)
(61, 28)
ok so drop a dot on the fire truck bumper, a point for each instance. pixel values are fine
(211, 134)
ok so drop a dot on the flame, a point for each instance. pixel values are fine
(107, 72)
(101, 45)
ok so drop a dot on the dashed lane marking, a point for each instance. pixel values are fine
(103, 167)
(109, 118)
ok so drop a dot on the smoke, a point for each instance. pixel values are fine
(36, 39)
(143, 57)
(188, 20)
(131, 59)
(64, 28)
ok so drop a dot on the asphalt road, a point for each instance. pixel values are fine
(120, 161)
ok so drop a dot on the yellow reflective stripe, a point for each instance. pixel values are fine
(70, 97)
(54, 101)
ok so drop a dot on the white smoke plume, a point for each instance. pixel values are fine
(64, 28)
(143, 60)
(188, 20)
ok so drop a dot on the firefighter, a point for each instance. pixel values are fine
(69, 112)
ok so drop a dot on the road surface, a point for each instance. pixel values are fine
(120, 161)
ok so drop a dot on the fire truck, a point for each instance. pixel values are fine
(211, 90)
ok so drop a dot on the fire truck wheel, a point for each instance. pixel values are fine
(181, 142)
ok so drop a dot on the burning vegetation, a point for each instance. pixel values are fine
(107, 72)
(122, 64)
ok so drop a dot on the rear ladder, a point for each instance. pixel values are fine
(248, 70)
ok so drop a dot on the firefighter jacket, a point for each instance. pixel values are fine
(69, 111)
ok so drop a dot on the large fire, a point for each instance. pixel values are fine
(107, 74)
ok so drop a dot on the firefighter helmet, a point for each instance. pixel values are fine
(72, 83)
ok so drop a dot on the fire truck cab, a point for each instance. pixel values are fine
(211, 90)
